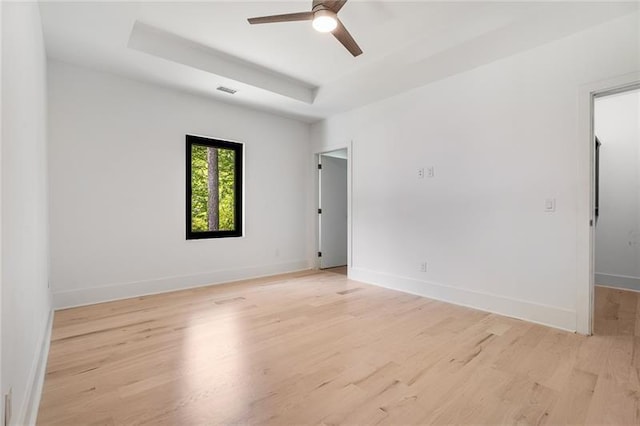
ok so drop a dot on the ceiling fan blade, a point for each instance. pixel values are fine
(288, 17)
(345, 38)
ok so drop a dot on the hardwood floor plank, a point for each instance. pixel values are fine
(317, 348)
(616, 312)
(614, 399)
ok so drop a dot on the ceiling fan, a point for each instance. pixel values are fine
(324, 14)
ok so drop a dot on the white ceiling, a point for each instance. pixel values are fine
(290, 69)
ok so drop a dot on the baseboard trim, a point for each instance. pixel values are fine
(618, 281)
(550, 316)
(108, 293)
(29, 411)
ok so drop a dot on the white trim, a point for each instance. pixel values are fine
(632, 87)
(585, 235)
(617, 281)
(29, 411)
(2, 384)
(108, 293)
(319, 206)
(551, 316)
(349, 206)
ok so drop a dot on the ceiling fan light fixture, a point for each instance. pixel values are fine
(325, 20)
(324, 17)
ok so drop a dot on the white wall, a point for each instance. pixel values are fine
(26, 303)
(502, 139)
(117, 182)
(617, 125)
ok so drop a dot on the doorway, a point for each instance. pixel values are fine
(333, 209)
(616, 142)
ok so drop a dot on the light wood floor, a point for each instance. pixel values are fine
(616, 312)
(316, 348)
(337, 270)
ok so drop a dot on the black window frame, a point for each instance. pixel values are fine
(238, 148)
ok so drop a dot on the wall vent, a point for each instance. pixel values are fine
(226, 90)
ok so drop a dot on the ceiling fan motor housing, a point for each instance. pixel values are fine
(319, 6)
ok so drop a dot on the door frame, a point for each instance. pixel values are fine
(586, 195)
(316, 160)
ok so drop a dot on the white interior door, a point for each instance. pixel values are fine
(333, 209)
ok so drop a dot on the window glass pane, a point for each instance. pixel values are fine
(226, 189)
(213, 180)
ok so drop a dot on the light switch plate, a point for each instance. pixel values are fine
(550, 205)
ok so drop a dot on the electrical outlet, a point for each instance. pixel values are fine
(7, 407)
(423, 267)
(421, 173)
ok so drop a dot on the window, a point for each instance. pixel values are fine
(214, 188)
